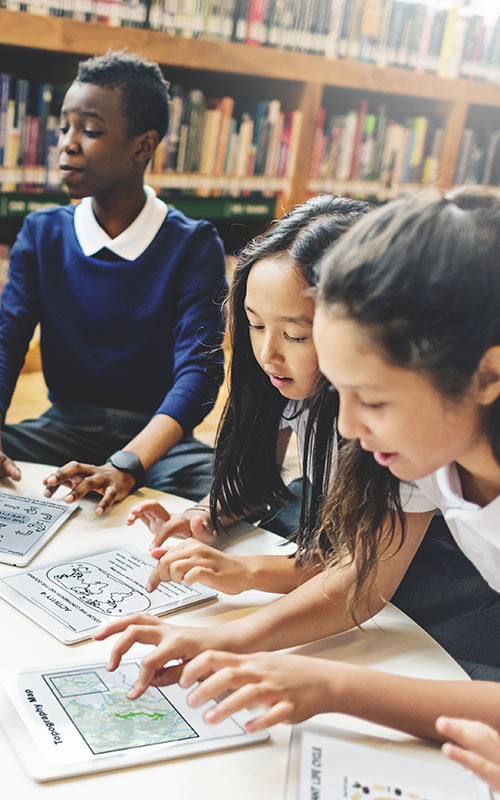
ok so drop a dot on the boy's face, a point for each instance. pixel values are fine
(98, 156)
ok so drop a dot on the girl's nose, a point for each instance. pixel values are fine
(270, 350)
(348, 424)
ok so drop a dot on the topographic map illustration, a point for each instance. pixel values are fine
(96, 702)
(98, 589)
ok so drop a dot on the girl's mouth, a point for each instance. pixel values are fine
(384, 459)
(279, 381)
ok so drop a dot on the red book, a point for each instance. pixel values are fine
(256, 28)
(358, 138)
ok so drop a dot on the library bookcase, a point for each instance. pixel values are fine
(48, 48)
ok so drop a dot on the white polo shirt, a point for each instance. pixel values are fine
(295, 416)
(131, 242)
(475, 529)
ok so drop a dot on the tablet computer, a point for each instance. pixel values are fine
(73, 598)
(329, 764)
(64, 722)
(27, 524)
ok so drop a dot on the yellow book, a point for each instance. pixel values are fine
(446, 56)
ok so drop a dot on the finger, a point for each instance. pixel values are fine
(119, 625)
(166, 676)
(177, 527)
(473, 735)
(154, 579)
(206, 663)
(279, 712)
(65, 472)
(150, 666)
(202, 530)
(148, 507)
(92, 483)
(203, 575)
(11, 470)
(110, 496)
(482, 767)
(145, 634)
(248, 696)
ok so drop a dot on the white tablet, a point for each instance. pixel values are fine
(27, 524)
(328, 764)
(72, 721)
(71, 599)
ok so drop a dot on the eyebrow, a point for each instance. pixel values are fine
(92, 114)
(302, 319)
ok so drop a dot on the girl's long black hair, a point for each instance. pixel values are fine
(246, 474)
(421, 277)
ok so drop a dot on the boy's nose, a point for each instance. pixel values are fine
(68, 142)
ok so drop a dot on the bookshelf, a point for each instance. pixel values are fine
(49, 48)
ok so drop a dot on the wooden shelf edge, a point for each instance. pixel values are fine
(21, 29)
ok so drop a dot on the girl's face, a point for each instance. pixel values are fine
(395, 413)
(280, 315)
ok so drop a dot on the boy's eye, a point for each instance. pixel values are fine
(92, 134)
(63, 129)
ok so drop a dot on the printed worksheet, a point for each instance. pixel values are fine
(26, 524)
(333, 768)
(79, 719)
(73, 598)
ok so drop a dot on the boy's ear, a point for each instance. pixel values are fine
(147, 143)
(488, 377)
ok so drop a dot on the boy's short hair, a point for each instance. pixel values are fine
(144, 89)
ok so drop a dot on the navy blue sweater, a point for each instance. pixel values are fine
(140, 335)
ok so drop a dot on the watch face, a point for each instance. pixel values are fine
(125, 460)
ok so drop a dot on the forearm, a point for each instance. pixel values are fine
(278, 574)
(312, 611)
(410, 704)
(158, 437)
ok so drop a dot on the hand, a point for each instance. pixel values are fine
(475, 745)
(8, 468)
(194, 522)
(291, 688)
(170, 642)
(112, 483)
(195, 562)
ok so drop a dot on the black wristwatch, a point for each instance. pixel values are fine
(128, 462)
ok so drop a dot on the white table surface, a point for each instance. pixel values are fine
(390, 641)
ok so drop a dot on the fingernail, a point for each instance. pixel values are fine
(99, 510)
(210, 716)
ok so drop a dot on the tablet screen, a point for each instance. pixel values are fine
(69, 721)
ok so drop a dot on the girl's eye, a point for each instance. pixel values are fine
(255, 327)
(372, 406)
(296, 338)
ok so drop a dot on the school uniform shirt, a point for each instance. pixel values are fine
(475, 529)
(131, 323)
(295, 415)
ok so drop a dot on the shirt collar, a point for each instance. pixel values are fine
(131, 242)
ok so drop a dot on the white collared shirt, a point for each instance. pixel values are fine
(131, 242)
(475, 529)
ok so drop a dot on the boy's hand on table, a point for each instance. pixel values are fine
(193, 523)
(195, 562)
(112, 483)
(171, 642)
(474, 745)
(8, 468)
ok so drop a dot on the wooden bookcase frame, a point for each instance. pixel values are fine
(309, 73)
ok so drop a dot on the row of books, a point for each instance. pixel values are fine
(215, 137)
(29, 124)
(479, 157)
(452, 41)
(361, 145)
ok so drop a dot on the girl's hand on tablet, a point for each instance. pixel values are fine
(194, 522)
(474, 745)
(290, 688)
(195, 562)
(172, 643)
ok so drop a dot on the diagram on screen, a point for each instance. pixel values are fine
(96, 703)
(98, 589)
(24, 520)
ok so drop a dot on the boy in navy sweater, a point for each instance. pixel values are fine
(128, 296)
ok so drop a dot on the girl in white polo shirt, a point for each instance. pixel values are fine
(407, 329)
